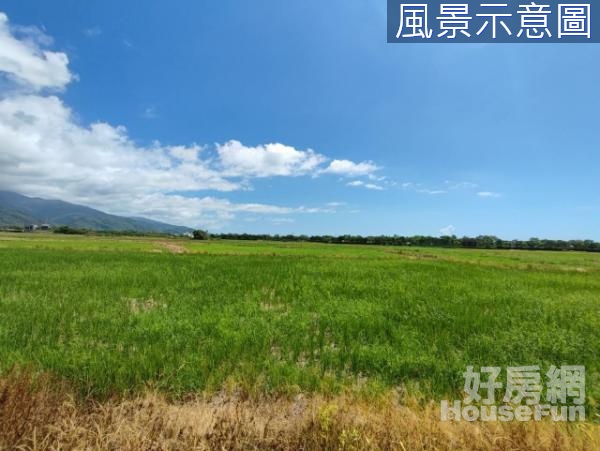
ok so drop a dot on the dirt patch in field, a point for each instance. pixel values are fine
(137, 306)
(171, 247)
(270, 302)
(45, 414)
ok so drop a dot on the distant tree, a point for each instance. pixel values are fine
(468, 242)
(487, 242)
(70, 230)
(200, 234)
(534, 243)
(482, 241)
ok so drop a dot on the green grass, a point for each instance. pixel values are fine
(118, 314)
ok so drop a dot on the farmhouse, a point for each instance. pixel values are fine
(34, 227)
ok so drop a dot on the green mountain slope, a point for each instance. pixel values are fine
(18, 210)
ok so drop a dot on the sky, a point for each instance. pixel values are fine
(295, 117)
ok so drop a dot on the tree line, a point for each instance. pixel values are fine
(478, 242)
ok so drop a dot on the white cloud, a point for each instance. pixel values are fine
(418, 188)
(92, 32)
(47, 152)
(183, 153)
(350, 168)
(431, 191)
(24, 61)
(360, 183)
(488, 194)
(266, 160)
(449, 186)
(379, 178)
(453, 185)
(355, 183)
(43, 146)
(209, 212)
(31, 35)
(448, 230)
(150, 113)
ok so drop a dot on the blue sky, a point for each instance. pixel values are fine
(468, 139)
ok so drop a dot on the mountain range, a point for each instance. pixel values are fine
(18, 210)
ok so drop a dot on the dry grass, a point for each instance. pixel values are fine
(137, 306)
(42, 413)
(171, 247)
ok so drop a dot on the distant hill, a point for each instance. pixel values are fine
(18, 210)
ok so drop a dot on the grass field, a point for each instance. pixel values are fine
(120, 315)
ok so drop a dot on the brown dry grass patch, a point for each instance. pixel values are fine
(41, 413)
(171, 247)
(138, 306)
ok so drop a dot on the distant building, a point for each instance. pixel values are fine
(30, 228)
(45, 227)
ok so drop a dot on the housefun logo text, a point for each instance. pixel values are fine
(526, 396)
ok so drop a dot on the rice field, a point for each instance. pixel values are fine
(119, 316)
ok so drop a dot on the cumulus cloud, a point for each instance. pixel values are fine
(360, 183)
(47, 152)
(209, 212)
(27, 63)
(183, 153)
(448, 230)
(488, 194)
(350, 168)
(266, 160)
